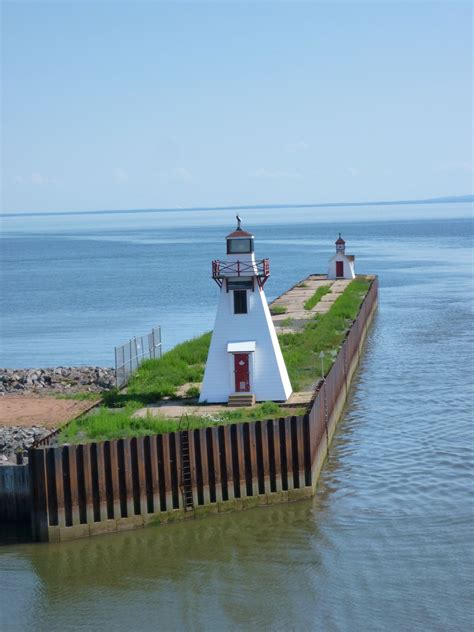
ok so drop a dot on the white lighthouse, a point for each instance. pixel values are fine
(245, 363)
(341, 266)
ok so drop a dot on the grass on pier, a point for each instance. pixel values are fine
(160, 378)
(106, 424)
(324, 332)
(317, 296)
(156, 379)
(275, 310)
(185, 363)
(81, 396)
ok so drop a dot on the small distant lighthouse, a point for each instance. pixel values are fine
(341, 266)
(245, 363)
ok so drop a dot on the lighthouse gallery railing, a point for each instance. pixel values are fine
(224, 269)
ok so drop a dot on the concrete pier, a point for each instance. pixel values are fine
(109, 486)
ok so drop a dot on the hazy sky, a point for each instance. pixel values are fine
(115, 105)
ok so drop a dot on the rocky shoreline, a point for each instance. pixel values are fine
(56, 380)
(44, 382)
(15, 439)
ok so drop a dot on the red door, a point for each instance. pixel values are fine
(241, 370)
(339, 268)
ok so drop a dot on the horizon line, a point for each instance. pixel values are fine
(454, 199)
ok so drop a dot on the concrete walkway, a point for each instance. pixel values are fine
(296, 315)
(176, 408)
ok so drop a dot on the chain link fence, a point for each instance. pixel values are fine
(130, 355)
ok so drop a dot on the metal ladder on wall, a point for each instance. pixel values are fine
(185, 482)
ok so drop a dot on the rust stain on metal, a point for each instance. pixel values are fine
(142, 475)
(167, 472)
(73, 483)
(86, 459)
(265, 456)
(228, 462)
(114, 471)
(217, 463)
(127, 458)
(204, 466)
(155, 483)
(101, 482)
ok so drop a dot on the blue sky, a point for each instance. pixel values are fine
(114, 105)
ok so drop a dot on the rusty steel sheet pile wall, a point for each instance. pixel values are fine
(333, 391)
(113, 485)
(81, 490)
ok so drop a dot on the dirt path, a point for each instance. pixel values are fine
(30, 410)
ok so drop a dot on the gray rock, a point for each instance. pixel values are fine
(17, 438)
(56, 379)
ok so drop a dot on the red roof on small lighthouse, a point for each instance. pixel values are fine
(340, 240)
(239, 231)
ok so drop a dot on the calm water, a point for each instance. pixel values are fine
(386, 544)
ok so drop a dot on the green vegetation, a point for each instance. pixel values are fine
(193, 392)
(278, 309)
(80, 396)
(325, 332)
(287, 322)
(106, 424)
(160, 378)
(314, 300)
(184, 365)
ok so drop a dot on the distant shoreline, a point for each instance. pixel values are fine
(457, 199)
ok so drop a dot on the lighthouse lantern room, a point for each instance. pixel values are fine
(245, 363)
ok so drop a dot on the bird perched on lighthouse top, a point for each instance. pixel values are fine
(245, 363)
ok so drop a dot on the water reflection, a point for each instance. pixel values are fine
(15, 533)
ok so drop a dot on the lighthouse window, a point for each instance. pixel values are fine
(240, 302)
(239, 284)
(239, 246)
